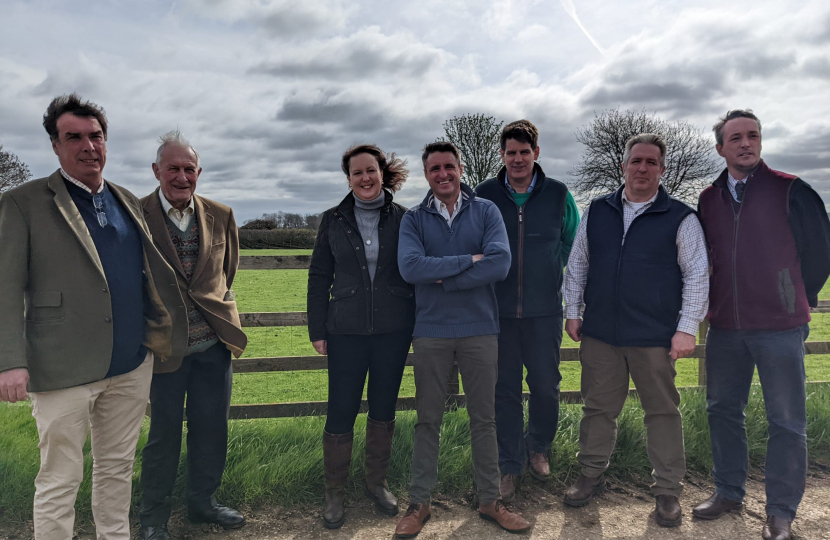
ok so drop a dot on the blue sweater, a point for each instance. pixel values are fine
(122, 255)
(464, 303)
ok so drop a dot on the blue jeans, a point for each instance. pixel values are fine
(533, 343)
(731, 357)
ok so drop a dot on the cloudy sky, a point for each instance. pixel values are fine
(271, 92)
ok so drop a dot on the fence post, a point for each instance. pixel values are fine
(701, 362)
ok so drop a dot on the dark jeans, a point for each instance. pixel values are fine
(350, 358)
(731, 357)
(533, 343)
(206, 379)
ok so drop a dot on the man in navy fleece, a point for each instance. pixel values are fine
(453, 247)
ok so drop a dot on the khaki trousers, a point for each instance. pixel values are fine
(605, 371)
(113, 408)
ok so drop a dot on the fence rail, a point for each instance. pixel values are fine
(317, 362)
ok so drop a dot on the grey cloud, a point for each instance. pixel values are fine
(333, 108)
(817, 66)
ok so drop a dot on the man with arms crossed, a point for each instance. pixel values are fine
(639, 270)
(81, 319)
(198, 237)
(453, 247)
(769, 243)
(541, 218)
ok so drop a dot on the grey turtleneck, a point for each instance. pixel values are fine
(367, 214)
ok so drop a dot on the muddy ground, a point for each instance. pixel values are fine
(622, 512)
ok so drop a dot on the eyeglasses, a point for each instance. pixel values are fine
(98, 201)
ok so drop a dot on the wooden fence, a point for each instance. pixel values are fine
(317, 362)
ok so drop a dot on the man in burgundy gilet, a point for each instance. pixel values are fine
(769, 246)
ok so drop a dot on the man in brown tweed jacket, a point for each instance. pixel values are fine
(199, 239)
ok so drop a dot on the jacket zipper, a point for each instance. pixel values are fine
(735, 249)
(521, 261)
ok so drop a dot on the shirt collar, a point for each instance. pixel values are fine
(529, 189)
(81, 184)
(732, 179)
(166, 206)
(439, 204)
(651, 200)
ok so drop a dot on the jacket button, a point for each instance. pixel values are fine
(363, 268)
(357, 248)
(107, 319)
(352, 291)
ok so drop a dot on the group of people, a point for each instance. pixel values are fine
(108, 299)
(476, 277)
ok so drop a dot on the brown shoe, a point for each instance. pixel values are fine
(584, 490)
(337, 456)
(508, 486)
(538, 465)
(667, 511)
(412, 522)
(378, 449)
(777, 528)
(714, 507)
(507, 520)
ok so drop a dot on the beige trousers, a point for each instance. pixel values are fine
(113, 408)
(605, 371)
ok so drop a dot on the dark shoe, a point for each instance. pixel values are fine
(412, 522)
(337, 456)
(227, 517)
(151, 532)
(777, 528)
(507, 520)
(584, 490)
(667, 512)
(538, 465)
(508, 486)
(378, 449)
(714, 507)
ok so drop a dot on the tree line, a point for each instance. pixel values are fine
(691, 161)
(284, 220)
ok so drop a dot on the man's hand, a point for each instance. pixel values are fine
(321, 346)
(682, 345)
(573, 327)
(13, 385)
(477, 257)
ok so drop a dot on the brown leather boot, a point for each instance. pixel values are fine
(337, 456)
(538, 464)
(378, 449)
(584, 490)
(777, 528)
(667, 511)
(715, 506)
(411, 523)
(508, 486)
(507, 520)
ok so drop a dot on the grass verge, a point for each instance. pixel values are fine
(279, 461)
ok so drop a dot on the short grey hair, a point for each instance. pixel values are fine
(646, 138)
(175, 137)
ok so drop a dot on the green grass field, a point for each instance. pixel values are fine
(279, 461)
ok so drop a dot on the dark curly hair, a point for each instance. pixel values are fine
(392, 167)
(73, 104)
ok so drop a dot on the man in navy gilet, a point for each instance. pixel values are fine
(769, 243)
(644, 293)
(541, 218)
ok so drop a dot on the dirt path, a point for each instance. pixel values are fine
(621, 513)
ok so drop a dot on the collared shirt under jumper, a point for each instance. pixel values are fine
(180, 218)
(444, 211)
(121, 253)
(732, 182)
(367, 216)
(201, 335)
(691, 257)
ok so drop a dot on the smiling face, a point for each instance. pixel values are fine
(443, 173)
(741, 146)
(518, 158)
(81, 148)
(177, 171)
(642, 172)
(365, 177)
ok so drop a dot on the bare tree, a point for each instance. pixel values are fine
(691, 161)
(477, 138)
(13, 172)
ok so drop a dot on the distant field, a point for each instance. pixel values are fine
(285, 290)
(244, 252)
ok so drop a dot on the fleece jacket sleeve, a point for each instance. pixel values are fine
(496, 250)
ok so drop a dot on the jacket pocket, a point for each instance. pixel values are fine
(343, 313)
(786, 290)
(402, 292)
(46, 307)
